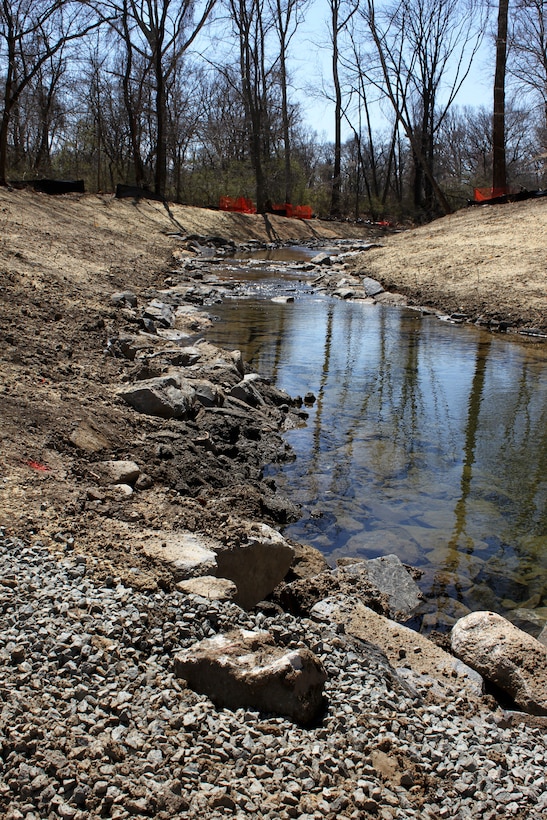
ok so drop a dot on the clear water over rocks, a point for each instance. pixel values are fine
(426, 439)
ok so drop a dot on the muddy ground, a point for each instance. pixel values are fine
(62, 259)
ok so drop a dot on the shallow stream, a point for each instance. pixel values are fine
(426, 439)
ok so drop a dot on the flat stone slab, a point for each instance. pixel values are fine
(185, 554)
(419, 662)
(246, 669)
(208, 586)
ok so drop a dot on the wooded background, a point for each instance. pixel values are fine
(198, 99)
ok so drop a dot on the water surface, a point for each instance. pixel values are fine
(427, 440)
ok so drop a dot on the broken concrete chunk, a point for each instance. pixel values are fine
(245, 669)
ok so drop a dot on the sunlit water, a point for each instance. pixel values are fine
(427, 440)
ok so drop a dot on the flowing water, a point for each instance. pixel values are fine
(426, 439)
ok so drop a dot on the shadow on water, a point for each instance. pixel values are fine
(426, 440)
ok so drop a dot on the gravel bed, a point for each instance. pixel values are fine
(94, 723)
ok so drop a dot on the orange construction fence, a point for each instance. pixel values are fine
(483, 194)
(245, 206)
(237, 203)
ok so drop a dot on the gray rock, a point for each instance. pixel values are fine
(505, 655)
(125, 298)
(244, 391)
(372, 286)
(321, 259)
(390, 577)
(160, 313)
(542, 637)
(257, 566)
(166, 396)
(207, 393)
(119, 472)
(344, 293)
(245, 669)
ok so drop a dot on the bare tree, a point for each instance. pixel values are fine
(31, 33)
(158, 33)
(341, 12)
(252, 24)
(423, 46)
(499, 170)
(286, 16)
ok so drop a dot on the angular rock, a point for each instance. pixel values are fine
(542, 637)
(244, 391)
(160, 313)
(166, 396)
(344, 293)
(257, 566)
(372, 286)
(390, 577)
(508, 657)
(207, 586)
(245, 669)
(207, 393)
(185, 554)
(119, 472)
(124, 298)
(321, 259)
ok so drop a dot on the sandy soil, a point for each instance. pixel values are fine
(60, 261)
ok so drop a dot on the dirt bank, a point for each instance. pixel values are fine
(61, 259)
(487, 262)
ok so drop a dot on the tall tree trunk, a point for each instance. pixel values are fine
(337, 167)
(499, 169)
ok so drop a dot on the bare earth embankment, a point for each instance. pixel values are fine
(487, 262)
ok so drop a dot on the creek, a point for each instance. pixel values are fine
(426, 439)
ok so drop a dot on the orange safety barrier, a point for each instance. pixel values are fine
(483, 194)
(240, 204)
(299, 211)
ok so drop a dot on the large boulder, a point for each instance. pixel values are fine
(256, 566)
(505, 655)
(169, 397)
(245, 669)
